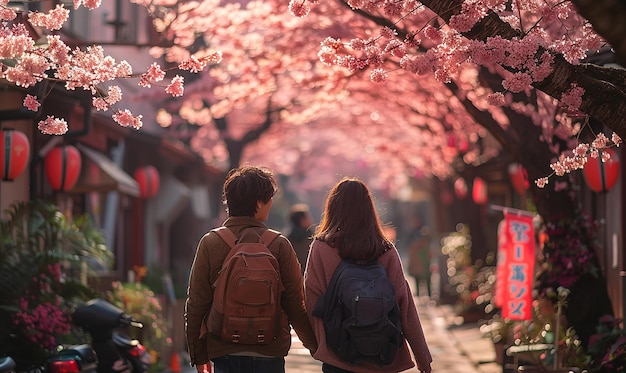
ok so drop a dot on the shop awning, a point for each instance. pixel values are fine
(100, 174)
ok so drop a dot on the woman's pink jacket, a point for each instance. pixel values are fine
(321, 264)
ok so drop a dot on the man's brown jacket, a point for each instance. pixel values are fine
(208, 260)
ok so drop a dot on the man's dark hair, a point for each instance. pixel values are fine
(245, 186)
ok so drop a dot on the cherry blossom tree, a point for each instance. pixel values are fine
(519, 46)
(26, 62)
(447, 72)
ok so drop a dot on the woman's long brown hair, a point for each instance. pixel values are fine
(351, 223)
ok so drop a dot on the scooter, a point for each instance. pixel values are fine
(72, 359)
(7, 364)
(69, 359)
(117, 353)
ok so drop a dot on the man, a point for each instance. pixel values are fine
(300, 235)
(420, 257)
(248, 193)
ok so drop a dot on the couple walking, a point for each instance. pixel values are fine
(350, 228)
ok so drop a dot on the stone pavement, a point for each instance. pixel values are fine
(455, 348)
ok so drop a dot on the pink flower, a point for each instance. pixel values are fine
(193, 64)
(616, 139)
(496, 99)
(53, 126)
(53, 20)
(31, 103)
(518, 82)
(176, 87)
(573, 98)
(126, 119)
(90, 4)
(7, 14)
(378, 76)
(299, 8)
(114, 95)
(100, 104)
(541, 182)
(153, 75)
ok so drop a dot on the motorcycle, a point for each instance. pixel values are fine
(69, 359)
(72, 359)
(7, 364)
(116, 352)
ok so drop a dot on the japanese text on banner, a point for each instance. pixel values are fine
(517, 266)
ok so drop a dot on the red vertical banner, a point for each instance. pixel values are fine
(501, 273)
(519, 246)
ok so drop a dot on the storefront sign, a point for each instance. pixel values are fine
(516, 266)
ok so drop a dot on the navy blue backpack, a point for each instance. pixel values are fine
(361, 315)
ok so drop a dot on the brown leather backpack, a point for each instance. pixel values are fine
(246, 302)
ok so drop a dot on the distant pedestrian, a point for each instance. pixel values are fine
(351, 229)
(420, 257)
(301, 232)
(248, 193)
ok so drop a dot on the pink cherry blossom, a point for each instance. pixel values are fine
(299, 8)
(176, 88)
(89, 4)
(53, 20)
(31, 102)
(100, 104)
(114, 95)
(153, 75)
(7, 14)
(53, 126)
(126, 119)
(378, 75)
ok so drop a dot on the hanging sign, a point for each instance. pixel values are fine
(517, 240)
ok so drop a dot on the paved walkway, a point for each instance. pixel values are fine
(455, 348)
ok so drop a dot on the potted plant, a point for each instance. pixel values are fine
(44, 258)
(544, 342)
(607, 347)
(140, 301)
(500, 332)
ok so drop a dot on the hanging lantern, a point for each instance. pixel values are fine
(62, 166)
(460, 188)
(519, 178)
(446, 196)
(14, 153)
(148, 180)
(479, 191)
(602, 176)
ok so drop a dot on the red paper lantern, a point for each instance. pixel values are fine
(14, 153)
(148, 179)
(519, 178)
(460, 188)
(602, 176)
(62, 167)
(479, 191)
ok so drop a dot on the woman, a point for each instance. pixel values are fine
(351, 229)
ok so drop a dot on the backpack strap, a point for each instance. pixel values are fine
(269, 236)
(226, 235)
(230, 238)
